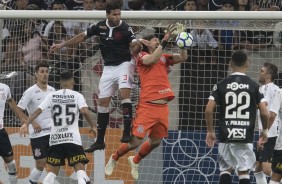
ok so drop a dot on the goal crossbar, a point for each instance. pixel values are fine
(158, 15)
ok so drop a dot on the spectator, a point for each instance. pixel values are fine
(87, 48)
(242, 5)
(99, 4)
(74, 4)
(263, 5)
(203, 5)
(205, 44)
(68, 25)
(190, 5)
(32, 49)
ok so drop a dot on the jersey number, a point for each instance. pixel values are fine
(57, 112)
(233, 101)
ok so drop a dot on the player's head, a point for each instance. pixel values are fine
(66, 79)
(268, 73)
(154, 42)
(42, 72)
(113, 10)
(239, 60)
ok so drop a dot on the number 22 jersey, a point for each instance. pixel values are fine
(237, 96)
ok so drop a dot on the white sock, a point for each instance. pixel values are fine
(260, 178)
(82, 177)
(35, 175)
(12, 171)
(49, 179)
(273, 182)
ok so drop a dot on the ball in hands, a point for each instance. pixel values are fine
(184, 40)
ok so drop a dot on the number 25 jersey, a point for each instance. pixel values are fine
(237, 96)
(65, 105)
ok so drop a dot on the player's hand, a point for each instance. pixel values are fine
(93, 130)
(24, 130)
(171, 27)
(262, 139)
(55, 47)
(36, 127)
(210, 139)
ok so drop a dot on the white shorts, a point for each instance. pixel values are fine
(238, 156)
(115, 77)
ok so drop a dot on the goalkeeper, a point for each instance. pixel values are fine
(152, 111)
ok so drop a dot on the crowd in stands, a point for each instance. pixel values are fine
(24, 42)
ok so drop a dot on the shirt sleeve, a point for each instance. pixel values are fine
(275, 106)
(259, 95)
(47, 102)
(92, 30)
(214, 94)
(130, 36)
(139, 60)
(81, 102)
(169, 59)
(24, 101)
(9, 96)
(211, 41)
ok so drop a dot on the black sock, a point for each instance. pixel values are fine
(225, 179)
(102, 123)
(127, 118)
(244, 181)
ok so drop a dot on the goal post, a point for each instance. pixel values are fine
(183, 157)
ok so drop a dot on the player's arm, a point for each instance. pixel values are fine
(210, 138)
(75, 40)
(83, 108)
(263, 115)
(13, 106)
(86, 114)
(182, 56)
(209, 115)
(33, 116)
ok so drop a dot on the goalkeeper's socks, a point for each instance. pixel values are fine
(102, 123)
(145, 150)
(122, 150)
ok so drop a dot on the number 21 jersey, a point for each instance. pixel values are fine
(237, 96)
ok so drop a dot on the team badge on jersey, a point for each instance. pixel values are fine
(140, 129)
(37, 152)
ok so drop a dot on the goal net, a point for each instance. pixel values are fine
(183, 157)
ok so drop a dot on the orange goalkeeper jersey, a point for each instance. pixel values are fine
(154, 78)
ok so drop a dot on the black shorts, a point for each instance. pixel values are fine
(40, 147)
(73, 152)
(265, 155)
(277, 162)
(6, 149)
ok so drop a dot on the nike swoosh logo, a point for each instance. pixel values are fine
(39, 99)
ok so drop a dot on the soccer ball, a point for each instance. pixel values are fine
(184, 40)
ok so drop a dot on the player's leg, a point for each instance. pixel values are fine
(122, 150)
(259, 175)
(226, 163)
(107, 88)
(6, 152)
(77, 159)
(55, 158)
(39, 148)
(52, 174)
(245, 158)
(276, 167)
(125, 71)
